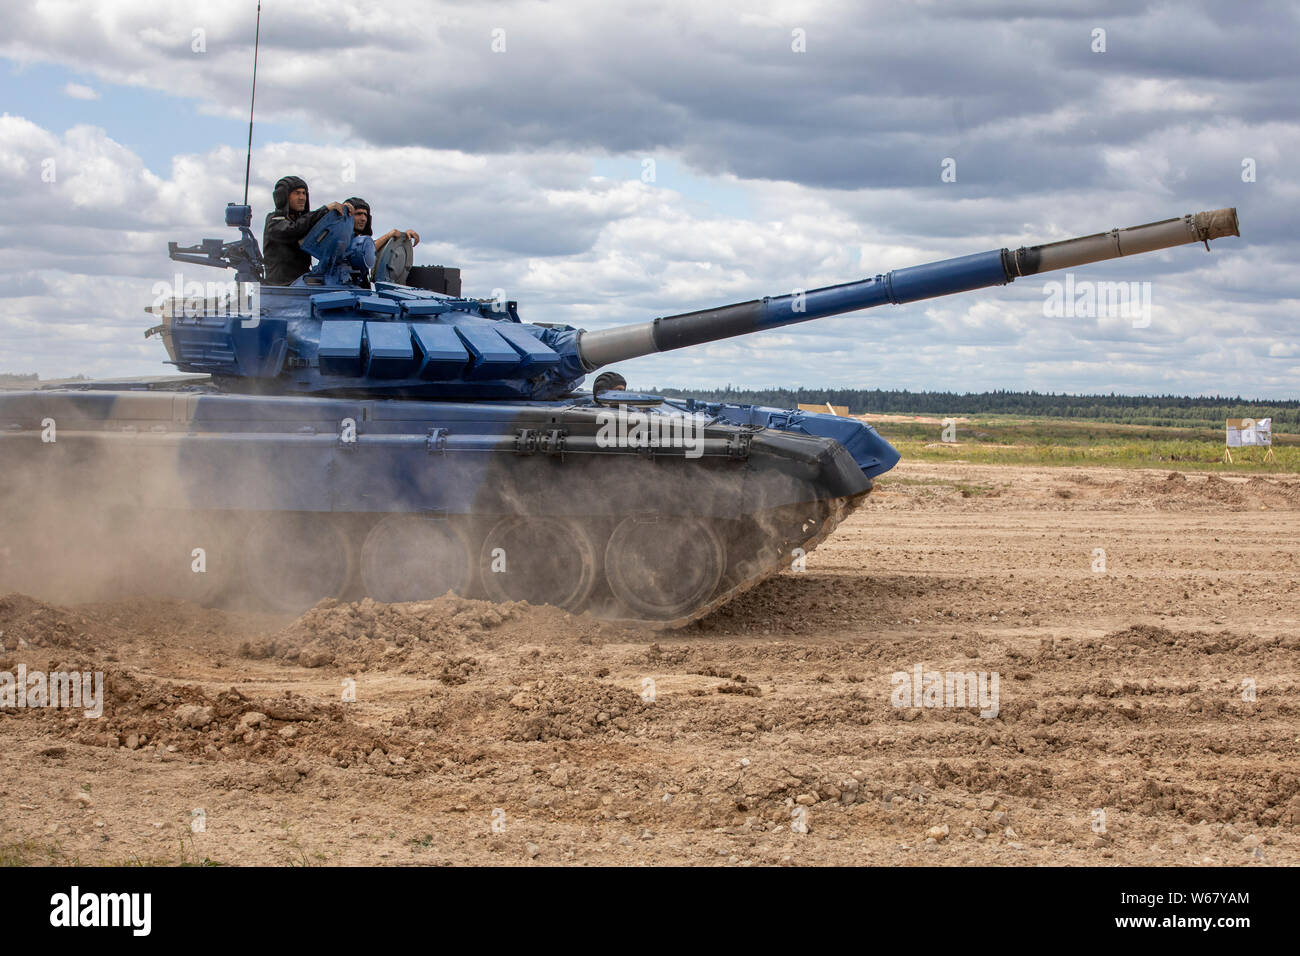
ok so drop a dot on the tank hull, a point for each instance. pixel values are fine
(654, 514)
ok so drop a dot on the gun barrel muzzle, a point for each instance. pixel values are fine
(1195, 227)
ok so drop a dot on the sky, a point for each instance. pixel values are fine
(606, 164)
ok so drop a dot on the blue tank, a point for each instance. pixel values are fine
(399, 440)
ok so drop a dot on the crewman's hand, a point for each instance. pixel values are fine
(413, 236)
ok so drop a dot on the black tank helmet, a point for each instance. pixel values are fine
(285, 186)
(356, 202)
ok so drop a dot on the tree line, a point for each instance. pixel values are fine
(1167, 410)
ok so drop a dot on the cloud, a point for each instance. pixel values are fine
(878, 98)
(80, 92)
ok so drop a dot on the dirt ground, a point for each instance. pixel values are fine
(1125, 730)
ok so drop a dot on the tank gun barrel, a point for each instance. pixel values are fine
(948, 276)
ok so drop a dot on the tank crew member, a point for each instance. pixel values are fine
(286, 227)
(390, 234)
(363, 225)
(363, 258)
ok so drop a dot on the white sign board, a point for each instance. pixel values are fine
(1244, 432)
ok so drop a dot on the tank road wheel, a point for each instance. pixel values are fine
(539, 560)
(662, 568)
(292, 561)
(409, 557)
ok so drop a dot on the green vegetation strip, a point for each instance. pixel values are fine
(1022, 441)
(1171, 410)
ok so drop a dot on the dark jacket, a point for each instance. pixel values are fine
(284, 258)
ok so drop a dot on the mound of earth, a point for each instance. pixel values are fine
(367, 633)
(142, 714)
(26, 621)
(564, 709)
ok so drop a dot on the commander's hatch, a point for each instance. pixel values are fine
(395, 260)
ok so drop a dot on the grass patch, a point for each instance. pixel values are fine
(31, 853)
(186, 856)
(1020, 441)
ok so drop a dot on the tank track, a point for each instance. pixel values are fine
(151, 554)
(838, 510)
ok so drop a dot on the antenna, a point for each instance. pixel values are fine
(248, 162)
